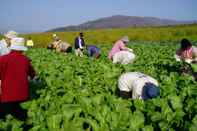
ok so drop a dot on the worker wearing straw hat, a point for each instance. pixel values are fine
(120, 53)
(5, 43)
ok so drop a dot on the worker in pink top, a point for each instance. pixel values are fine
(188, 55)
(187, 52)
(120, 53)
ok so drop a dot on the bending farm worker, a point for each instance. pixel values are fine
(120, 53)
(63, 47)
(188, 55)
(30, 43)
(55, 37)
(56, 41)
(5, 43)
(60, 46)
(93, 51)
(79, 45)
(137, 85)
(14, 71)
(187, 52)
(53, 45)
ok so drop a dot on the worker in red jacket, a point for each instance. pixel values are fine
(14, 71)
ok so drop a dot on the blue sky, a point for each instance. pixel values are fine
(41, 15)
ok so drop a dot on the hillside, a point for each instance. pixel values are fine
(120, 21)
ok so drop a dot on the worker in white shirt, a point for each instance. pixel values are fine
(5, 43)
(137, 85)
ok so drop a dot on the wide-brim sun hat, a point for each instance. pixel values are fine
(151, 91)
(18, 44)
(11, 34)
(125, 39)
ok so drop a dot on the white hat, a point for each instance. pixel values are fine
(125, 39)
(11, 34)
(18, 44)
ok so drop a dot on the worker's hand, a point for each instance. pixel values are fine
(36, 78)
(188, 61)
(130, 50)
(177, 58)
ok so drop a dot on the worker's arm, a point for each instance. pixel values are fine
(194, 52)
(31, 72)
(0, 87)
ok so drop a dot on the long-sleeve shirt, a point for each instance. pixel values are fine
(190, 53)
(135, 81)
(92, 50)
(118, 46)
(14, 71)
(79, 43)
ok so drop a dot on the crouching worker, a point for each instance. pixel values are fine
(137, 85)
(63, 47)
(14, 71)
(187, 52)
(51, 46)
(93, 51)
(188, 55)
(120, 53)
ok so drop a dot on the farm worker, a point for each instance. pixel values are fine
(55, 42)
(120, 53)
(30, 43)
(137, 86)
(79, 45)
(55, 37)
(63, 47)
(60, 46)
(14, 71)
(93, 51)
(5, 43)
(187, 52)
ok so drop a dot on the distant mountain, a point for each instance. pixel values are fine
(120, 21)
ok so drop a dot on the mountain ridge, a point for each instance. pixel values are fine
(121, 21)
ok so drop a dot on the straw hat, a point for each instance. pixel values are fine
(54, 35)
(18, 44)
(11, 34)
(125, 39)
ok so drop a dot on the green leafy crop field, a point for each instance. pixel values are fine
(79, 94)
